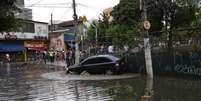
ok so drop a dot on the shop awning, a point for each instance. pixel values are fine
(11, 47)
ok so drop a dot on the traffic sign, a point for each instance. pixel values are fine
(147, 25)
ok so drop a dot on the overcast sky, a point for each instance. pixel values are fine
(62, 9)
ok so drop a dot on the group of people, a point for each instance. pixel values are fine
(103, 49)
(52, 56)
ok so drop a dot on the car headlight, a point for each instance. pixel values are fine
(117, 65)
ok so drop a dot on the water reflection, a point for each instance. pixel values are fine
(24, 83)
(148, 92)
(8, 68)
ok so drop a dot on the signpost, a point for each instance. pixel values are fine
(147, 47)
(147, 25)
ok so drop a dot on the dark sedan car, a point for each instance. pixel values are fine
(100, 64)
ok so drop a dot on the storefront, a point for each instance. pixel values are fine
(14, 48)
(34, 50)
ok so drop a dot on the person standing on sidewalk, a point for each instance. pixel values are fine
(71, 57)
(45, 56)
(67, 58)
(7, 58)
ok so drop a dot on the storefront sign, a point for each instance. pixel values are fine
(30, 44)
(20, 35)
(10, 35)
(2, 36)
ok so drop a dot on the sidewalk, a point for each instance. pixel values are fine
(56, 63)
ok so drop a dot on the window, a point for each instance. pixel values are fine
(89, 61)
(28, 27)
(102, 60)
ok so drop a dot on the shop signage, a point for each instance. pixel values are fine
(11, 35)
(34, 44)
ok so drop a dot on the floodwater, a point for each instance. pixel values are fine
(42, 83)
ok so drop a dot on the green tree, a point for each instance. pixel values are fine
(175, 13)
(127, 25)
(8, 22)
(102, 25)
(91, 31)
(127, 12)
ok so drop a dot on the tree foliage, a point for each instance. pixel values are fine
(127, 24)
(176, 14)
(166, 17)
(8, 22)
(102, 25)
(127, 12)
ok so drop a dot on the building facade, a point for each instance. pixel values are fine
(25, 13)
(22, 45)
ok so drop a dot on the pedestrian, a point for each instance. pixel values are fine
(7, 58)
(111, 49)
(71, 57)
(45, 56)
(51, 53)
(67, 58)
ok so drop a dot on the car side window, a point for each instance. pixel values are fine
(89, 61)
(102, 60)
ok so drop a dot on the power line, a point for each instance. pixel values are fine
(66, 3)
(37, 2)
(64, 14)
(47, 7)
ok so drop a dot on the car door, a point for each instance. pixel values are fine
(104, 64)
(88, 64)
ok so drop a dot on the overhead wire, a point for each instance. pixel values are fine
(64, 14)
(55, 5)
(66, 3)
(46, 6)
(37, 2)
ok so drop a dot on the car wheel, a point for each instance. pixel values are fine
(109, 72)
(84, 73)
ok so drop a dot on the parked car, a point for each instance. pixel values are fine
(100, 64)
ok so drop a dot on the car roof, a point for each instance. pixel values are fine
(111, 57)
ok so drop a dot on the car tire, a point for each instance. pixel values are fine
(109, 72)
(84, 73)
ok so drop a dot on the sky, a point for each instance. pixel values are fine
(62, 9)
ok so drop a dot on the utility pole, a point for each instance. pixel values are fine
(51, 22)
(77, 53)
(147, 47)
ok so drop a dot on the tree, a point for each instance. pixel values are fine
(127, 23)
(91, 31)
(175, 13)
(127, 12)
(102, 25)
(8, 22)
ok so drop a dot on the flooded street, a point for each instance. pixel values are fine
(40, 83)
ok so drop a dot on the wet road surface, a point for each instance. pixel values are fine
(42, 83)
